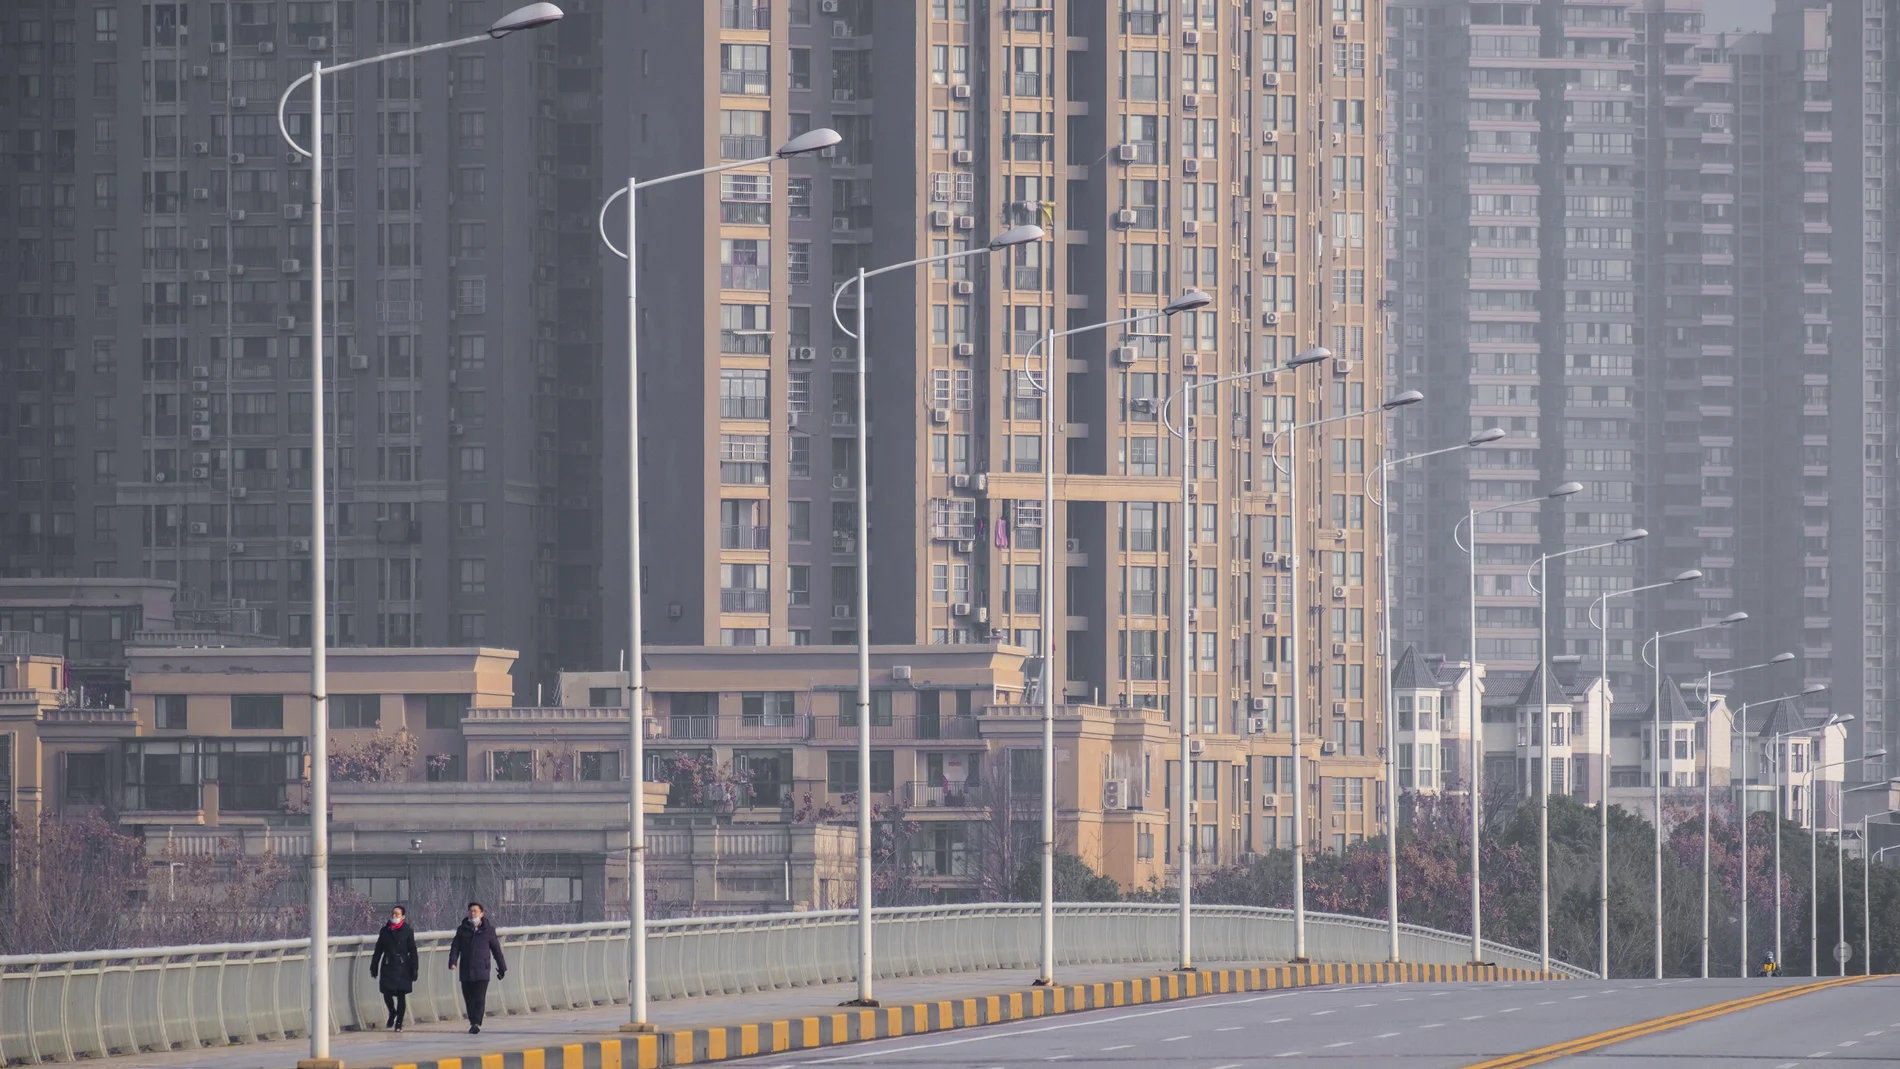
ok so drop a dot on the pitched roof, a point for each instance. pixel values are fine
(1674, 708)
(1781, 717)
(1412, 673)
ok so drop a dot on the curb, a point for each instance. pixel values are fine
(807, 1033)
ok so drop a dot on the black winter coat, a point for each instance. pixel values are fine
(474, 949)
(395, 965)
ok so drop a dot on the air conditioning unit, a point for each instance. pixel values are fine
(1115, 794)
(359, 361)
(1270, 259)
(200, 371)
(290, 267)
(1268, 620)
(236, 270)
(1125, 355)
(940, 220)
(1270, 319)
(201, 472)
(1268, 801)
(967, 546)
(219, 48)
(1339, 708)
(1339, 31)
(828, 7)
(202, 415)
(1327, 749)
(201, 459)
(240, 492)
(1190, 102)
(1190, 166)
(841, 612)
(1190, 228)
(961, 608)
(1339, 649)
(900, 671)
(1195, 746)
(963, 156)
(200, 194)
(293, 211)
(1125, 217)
(265, 48)
(966, 288)
(1268, 200)
(200, 300)
(317, 44)
(237, 547)
(1269, 679)
(201, 528)
(1267, 17)
(1256, 725)
(1270, 80)
(201, 276)
(1072, 545)
(237, 159)
(799, 352)
(300, 545)
(1269, 137)
(1190, 360)
(939, 415)
(966, 222)
(1191, 38)
(289, 323)
(200, 148)
(841, 481)
(201, 244)
(201, 434)
(455, 430)
(202, 402)
(961, 482)
(240, 103)
(201, 387)
(1342, 367)
(965, 348)
(1125, 153)
(201, 71)
(839, 352)
(1339, 592)
(960, 92)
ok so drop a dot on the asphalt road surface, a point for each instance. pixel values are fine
(1428, 1026)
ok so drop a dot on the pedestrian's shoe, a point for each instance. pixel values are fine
(474, 1030)
(391, 1022)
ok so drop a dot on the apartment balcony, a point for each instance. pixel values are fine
(888, 728)
(944, 798)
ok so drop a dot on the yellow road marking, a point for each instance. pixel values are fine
(1583, 1044)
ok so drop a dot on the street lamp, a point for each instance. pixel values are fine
(1476, 757)
(1741, 720)
(1544, 730)
(810, 141)
(1019, 235)
(1867, 855)
(1814, 857)
(1291, 434)
(1840, 881)
(1188, 301)
(1484, 437)
(1600, 610)
(1708, 777)
(1656, 752)
(1779, 745)
(523, 18)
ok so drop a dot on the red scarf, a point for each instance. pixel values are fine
(393, 925)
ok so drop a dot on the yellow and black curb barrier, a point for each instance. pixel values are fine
(851, 1025)
(1584, 1044)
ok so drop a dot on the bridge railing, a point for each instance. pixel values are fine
(58, 1007)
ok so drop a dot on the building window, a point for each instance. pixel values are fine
(88, 777)
(745, 69)
(841, 771)
(168, 712)
(742, 393)
(744, 459)
(257, 712)
(766, 709)
(356, 710)
(600, 766)
(444, 712)
(511, 766)
(743, 135)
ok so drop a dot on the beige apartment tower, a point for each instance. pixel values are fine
(1164, 145)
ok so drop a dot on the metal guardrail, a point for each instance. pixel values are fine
(58, 1007)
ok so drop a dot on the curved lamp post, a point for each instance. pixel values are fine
(1742, 736)
(524, 18)
(1484, 437)
(1475, 722)
(810, 141)
(1291, 469)
(1188, 301)
(1008, 239)
(1542, 737)
(1814, 858)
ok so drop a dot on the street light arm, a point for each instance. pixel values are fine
(1487, 511)
(1273, 449)
(1532, 570)
(601, 222)
(1603, 598)
(364, 62)
(1393, 462)
(847, 283)
(1043, 387)
(1169, 400)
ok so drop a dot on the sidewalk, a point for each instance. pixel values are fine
(448, 1039)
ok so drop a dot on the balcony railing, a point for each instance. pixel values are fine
(744, 536)
(743, 277)
(923, 794)
(745, 600)
(736, 727)
(895, 728)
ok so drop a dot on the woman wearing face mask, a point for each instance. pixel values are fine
(394, 965)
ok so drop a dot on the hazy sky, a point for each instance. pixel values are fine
(1737, 14)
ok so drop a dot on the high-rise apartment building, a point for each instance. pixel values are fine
(156, 357)
(1230, 147)
(1562, 268)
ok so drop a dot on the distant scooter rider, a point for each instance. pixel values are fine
(1769, 966)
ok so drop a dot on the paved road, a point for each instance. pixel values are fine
(1424, 1026)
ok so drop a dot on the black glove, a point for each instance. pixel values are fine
(372, 974)
(501, 974)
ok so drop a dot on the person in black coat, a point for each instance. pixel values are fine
(476, 948)
(394, 965)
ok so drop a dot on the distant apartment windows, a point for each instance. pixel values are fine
(745, 69)
(745, 328)
(799, 73)
(743, 135)
(798, 198)
(257, 712)
(356, 710)
(742, 393)
(1142, 74)
(1144, 133)
(744, 459)
(745, 588)
(747, 199)
(744, 263)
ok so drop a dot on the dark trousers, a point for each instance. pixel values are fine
(397, 1002)
(475, 997)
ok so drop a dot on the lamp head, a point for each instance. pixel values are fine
(1311, 356)
(1566, 489)
(1734, 618)
(1689, 576)
(809, 141)
(1486, 437)
(1016, 235)
(1781, 658)
(524, 18)
(1188, 301)
(1636, 534)
(1409, 397)
(1815, 688)
(1871, 756)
